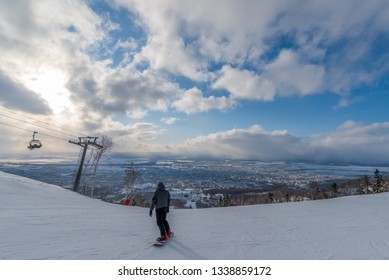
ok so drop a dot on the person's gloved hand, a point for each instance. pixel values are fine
(151, 213)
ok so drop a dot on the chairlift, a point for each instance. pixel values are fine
(34, 143)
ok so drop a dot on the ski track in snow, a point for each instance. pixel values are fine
(42, 221)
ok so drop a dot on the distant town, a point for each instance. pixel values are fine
(207, 183)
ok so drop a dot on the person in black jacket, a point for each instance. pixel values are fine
(161, 202)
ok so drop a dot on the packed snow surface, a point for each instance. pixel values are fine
(42, 221)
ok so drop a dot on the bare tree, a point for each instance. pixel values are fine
(131, 177)
(104, 145)
(107, 143)
(365, 185)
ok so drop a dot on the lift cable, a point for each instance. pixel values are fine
(46, 123)
(30, 123)
(32, 131)
(118, 154)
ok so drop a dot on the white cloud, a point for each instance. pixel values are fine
(326, 39)
(184, 37)
(351, 142)
(354, 142)
(192, 101)
(352, 134)
(169, 120)
(17, 96)
(41, 40)
(243, 84)
(166, 50)
(59, 58)
(251, 143)
(285, 76)
(173, 58)
(292, 77)
(50, 60)
(187, 39)
(130, 137)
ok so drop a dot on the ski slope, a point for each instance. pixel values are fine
(42, 221)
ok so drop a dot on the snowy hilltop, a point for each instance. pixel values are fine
(43, 221)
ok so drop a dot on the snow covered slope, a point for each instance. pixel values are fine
(42, 221)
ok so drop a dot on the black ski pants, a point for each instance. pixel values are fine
(163, 225)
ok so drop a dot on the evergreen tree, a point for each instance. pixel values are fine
(334, 190)
(271, 197)
(364, 186)
(379, 181)
(324, 194)
(313, 190)
(221, 201)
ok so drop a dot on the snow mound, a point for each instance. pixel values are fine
(43, 221)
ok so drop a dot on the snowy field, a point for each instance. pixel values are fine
(42, 221)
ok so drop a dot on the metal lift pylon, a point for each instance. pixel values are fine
(84, 142)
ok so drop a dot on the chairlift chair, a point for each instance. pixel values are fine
(34, 143)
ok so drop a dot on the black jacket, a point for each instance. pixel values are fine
(161, 198)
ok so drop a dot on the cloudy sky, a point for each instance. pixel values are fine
(267, 80)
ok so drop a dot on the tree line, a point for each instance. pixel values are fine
(376, 183)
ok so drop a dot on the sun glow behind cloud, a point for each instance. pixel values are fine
(49, 83)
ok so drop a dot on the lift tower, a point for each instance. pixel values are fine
(84, 142)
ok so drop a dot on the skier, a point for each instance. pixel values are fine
(161, 202)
